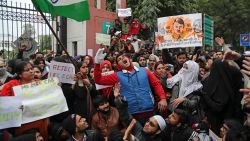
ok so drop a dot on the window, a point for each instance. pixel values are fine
(74, 47)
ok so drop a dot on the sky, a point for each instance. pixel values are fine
(6, 27)
(24, 1)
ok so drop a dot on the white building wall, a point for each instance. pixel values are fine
(76, 31)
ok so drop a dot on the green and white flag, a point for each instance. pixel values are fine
(73, 9)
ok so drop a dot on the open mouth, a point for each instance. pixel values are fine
(125, 61)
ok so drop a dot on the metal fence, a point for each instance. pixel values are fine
(17, 19)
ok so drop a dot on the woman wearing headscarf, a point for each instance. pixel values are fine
(162, 74)
(221, 97)
(105, 67)
(84, 91)
(187, 96)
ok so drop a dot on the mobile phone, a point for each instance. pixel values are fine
(246, 53)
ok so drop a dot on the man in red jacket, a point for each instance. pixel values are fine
(135, 86)
(135, 27)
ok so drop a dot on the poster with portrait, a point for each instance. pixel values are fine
(180, 31)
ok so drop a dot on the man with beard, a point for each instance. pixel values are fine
(177, 127)
(142, 61)
(136, 86)
(106, 117)
(178, 62)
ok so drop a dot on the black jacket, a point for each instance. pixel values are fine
(182, 133)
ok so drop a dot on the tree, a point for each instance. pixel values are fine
(148, 12)
(111, 5)
(28, 29)
(45, 42)
(231, 18)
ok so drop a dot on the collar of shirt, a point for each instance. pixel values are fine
(126, 71)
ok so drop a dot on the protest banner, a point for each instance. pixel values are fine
(41, 99)
(10, 112)
(65, 72)
(124, 12)
(103, 39)
(180, 31)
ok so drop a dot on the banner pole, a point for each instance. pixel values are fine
(57, 38)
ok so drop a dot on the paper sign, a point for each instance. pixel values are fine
(103, 39)
(65, 72)
(41, 99)
(180, 31)
(10, 112)
(124, 12)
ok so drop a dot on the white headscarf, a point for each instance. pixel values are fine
(188, 77)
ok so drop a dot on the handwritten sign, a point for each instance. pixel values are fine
(124, 12)
(41, 100)
(11, 114)
(103, 39)
(63, 71)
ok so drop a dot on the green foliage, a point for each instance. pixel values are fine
(111, 5)
(45, 42)
(231, 18)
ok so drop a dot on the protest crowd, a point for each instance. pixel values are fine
(132, 91)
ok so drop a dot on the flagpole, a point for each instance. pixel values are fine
(57, 38)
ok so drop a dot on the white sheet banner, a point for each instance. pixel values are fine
(10, 112)
(124, 12)
(41, 99)
(65, 72)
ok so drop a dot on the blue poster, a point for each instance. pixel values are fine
(244, 40)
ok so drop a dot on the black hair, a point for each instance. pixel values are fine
(233, 124)
(99, 99)
(37, 62)
(36, 66)
(39, 53)
(11, 63)
(157, 64)
(19, 67)
(59, 59)
(238, 135)
(55, 129)
(181, 53)
(32, 56)
(183, 115)
(179, 20)
(138, 58)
